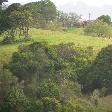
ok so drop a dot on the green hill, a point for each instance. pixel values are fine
(55, 37)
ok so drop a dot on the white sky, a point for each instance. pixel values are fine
(62, 2)
(88, 2)
(81, 7)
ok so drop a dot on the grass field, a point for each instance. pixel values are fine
(55, 37)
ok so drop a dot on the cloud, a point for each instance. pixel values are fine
(88, 2)
(83, 9)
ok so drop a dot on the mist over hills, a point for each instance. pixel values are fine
(84, 9)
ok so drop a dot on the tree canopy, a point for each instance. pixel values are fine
(105, 18)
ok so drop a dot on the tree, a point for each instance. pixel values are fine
(13, 7)
(48, 88)
(105, 18)
(51, 104)
(5, 19)
(98, 75)
(43, 12)
(2, 1)
(31, 61)
(67, 19)
(7, 80)
(98, 28)
(15, 20)
(15, 101)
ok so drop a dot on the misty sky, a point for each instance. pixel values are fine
(62, 2)
(82, 7)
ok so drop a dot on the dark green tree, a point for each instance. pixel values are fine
(43, 12)
(98, 75)
(15, 20)
(13, 7)
(105, 18)
(31, 61)
(7, 80)
(98, 28)
(48, 88)
(15, 101)
(2, 1)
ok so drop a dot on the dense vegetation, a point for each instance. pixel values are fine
(56, 68)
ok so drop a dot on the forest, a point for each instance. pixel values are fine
(51, 61)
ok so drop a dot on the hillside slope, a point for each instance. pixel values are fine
(56, 37)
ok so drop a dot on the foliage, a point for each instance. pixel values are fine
(14, 20)
(54, 26)
(48, 88)
(30, 61)
(43, 12)
(69, 89)
(15, 101)
(43, 61)
(95, 97)
(77, 106)
(98, 74)
(98, 28)
(8, 39)
(51, 104)
(105, 18)
(13, 7)
(67, 19)
(7, 80)
(53, 76)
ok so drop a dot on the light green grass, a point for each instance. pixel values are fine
(56, 37)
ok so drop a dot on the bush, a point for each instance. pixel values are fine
(51, 105)
(8, 40)
(105, 18)
(98, 28)
(30, 61)
(7, 80)
(77, 106)
(15, 101)
(99, 74)
(54, 26)
(48, 89)
(43, 61)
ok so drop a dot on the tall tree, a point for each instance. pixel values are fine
(43, 12)
(67, 19)
(13, 18)
(2, 1)
(105, 18)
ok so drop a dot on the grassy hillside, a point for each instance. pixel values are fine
(55, 37)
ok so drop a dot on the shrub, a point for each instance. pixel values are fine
(105, 18)
(51, 105)
(54, 26)
(43, 61)
(98, 28)
(99, 74)
(15, 101)
(48, 88)
(7, 80)
(8, 40)
(77, 106)
(29, 61)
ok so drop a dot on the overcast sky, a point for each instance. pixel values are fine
(82, 7)
(62, 2)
